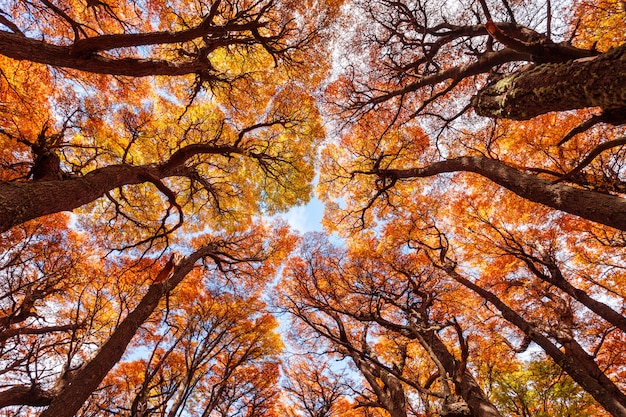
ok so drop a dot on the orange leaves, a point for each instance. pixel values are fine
(237, 96)
(216, 352)
(213, 120)
(600, 24)
(349, 181)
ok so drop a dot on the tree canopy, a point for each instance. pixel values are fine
(470, 156)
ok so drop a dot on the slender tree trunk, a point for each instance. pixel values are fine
(468, 388)
(556, 278)
(588, 82)
(598, 207)
(601, 309)
(465, 384)
(574, 361)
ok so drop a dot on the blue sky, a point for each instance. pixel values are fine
(306, 218)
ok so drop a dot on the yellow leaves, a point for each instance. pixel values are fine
(246, 101)
(266, 165)
(600, 24)
(539, 385)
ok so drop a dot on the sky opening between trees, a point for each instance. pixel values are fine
(470, 156)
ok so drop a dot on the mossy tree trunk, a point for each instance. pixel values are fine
(587, 82)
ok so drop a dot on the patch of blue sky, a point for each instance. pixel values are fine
(305, 218)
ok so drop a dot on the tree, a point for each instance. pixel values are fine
(477, 178)
(167, 129)
(425, 74)
(109, 43)
(412, 143)
(375, 307)
(213, 354)
(315, 390)
(65, 388)
(82, 145)
(540, 389)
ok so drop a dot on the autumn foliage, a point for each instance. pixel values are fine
(471, 162)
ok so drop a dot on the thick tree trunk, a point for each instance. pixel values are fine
(602, 208)
(72, 397)
(20, 202)
(32, 395)
(387, 387)
(22, 48)
(574, 361)
(588, 82)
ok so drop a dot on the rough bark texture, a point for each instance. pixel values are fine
(574, 361)
(465, 384)
(387, 388)
(23, 48)
(89, 376)
(602, 208)
(588, 82)
(32, 395)
(20, 202)
(467, 387)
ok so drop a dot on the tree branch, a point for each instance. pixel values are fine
(591, 205)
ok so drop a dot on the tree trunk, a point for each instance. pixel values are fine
(20, 202)
(556, 278)
(388, 389)
(588, 82)
(598, 207)
(575, 362)
(84, 54)
(20, 395)
(90, 375)
(466, 385)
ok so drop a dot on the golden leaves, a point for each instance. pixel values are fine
(600, 24)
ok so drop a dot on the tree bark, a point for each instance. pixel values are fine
(468, 388)
(22, 48)
(72, 397)
(32, 395)
(588, 82)
(602, 208)
(387, 388)
(556, 278)
(83, 54)
(20, 202)
(574, 361)
(465, 383)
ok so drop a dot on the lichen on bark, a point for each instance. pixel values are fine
(534, 90)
